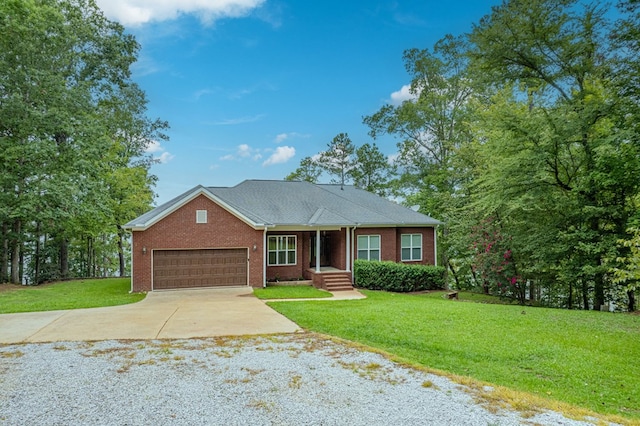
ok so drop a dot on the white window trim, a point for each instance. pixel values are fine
(276, 251)
(369, 246)
(201, 216)
(411, 248)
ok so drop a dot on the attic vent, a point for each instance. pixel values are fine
(201, 216)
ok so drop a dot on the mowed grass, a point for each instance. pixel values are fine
(586, 359)
(89, 293)
(290, 292)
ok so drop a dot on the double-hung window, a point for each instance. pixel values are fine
(282, 250)
(369, 247)
(411, 247)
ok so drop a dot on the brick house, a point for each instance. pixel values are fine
(259, 231)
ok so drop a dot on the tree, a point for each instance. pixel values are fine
(371, 170)
(337, 160)
(627, 273)
(64, 68)
(433, 128)
(308, 171)
(554, 132)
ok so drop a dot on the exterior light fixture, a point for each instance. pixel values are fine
(144, 250)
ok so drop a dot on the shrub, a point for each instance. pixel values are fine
(390, 276)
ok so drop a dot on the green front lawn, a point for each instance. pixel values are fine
(587, 359)
(290, 292)
(90, 293)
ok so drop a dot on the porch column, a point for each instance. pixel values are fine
(318, 250)
(348, 250)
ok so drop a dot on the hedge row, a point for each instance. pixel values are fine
(398, 277)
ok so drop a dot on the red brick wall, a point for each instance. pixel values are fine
(291, 272)
(179, 230)
(338, 249)
(428, 254)
(390, 242)
(387, 242)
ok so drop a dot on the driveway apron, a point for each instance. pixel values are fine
(161, 315)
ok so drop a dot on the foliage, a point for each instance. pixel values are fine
(433, 133)
(308, 171)
(72, 124)
(391, 276)
(555, 354)
(552, 140)
(494, 264)
(337, 160)
(530, 122)
(365, 166)
(67, 295)
(628, 272)
(371, 170)
(290, 292)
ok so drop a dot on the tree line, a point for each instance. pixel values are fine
(73, 134)
(523, 137)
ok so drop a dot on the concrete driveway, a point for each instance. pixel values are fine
(161, 315)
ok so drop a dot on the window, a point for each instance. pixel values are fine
(282, 250)
(369, 247)
(201, 216)
(411, 247)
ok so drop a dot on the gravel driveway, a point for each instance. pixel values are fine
(267, 380)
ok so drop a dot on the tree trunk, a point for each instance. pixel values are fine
(585, 295)
(64, 258)
(453, 272)
(121, 251)
(89, 258)
(4, 263)
(631, 301)
(570, 301)
(598, 294)
(15, 252)
(532, 290)
(36, 274)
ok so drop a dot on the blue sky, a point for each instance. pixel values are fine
(250, 87)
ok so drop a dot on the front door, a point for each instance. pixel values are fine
(324, 250)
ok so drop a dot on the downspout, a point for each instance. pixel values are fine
(435, 245)
(353, 236)
(131, 245)
(264, 257)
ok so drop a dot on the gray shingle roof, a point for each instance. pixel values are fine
(264, 202)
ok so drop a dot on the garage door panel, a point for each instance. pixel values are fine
(199, 268)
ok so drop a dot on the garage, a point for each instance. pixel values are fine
(199, 268)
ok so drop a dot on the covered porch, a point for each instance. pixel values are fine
(323, 256)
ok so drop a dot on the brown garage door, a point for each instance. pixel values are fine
(199, 268)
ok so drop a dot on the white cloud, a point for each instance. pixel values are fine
(281, 155)
(154, 147)
(243, 151)
(240, 120)
(138, 12)
(404, 94)
(165, 157)
(284, 136)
